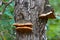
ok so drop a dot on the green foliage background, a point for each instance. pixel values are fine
(7, 30)
(53, 32)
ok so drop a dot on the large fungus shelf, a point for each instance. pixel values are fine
(22, 24)
(23, 27)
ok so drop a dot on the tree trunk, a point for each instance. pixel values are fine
(29, 11)
(0, 2)
(0, 11)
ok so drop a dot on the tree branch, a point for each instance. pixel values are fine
(6, 4)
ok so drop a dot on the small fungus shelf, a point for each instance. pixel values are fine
(23, 27)
(49, 15)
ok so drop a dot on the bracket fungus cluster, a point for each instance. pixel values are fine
(49, 15)
(23, 27)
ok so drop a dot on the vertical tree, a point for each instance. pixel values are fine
(0, 5)
(35, 12)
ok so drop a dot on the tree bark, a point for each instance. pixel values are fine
(0, 2)
(29, 11)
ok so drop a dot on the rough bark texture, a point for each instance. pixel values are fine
(28, 11)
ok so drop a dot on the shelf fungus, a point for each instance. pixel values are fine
(49, 15)
(23, 27)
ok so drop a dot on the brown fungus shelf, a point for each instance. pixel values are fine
(49, 15)
(23, 27)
